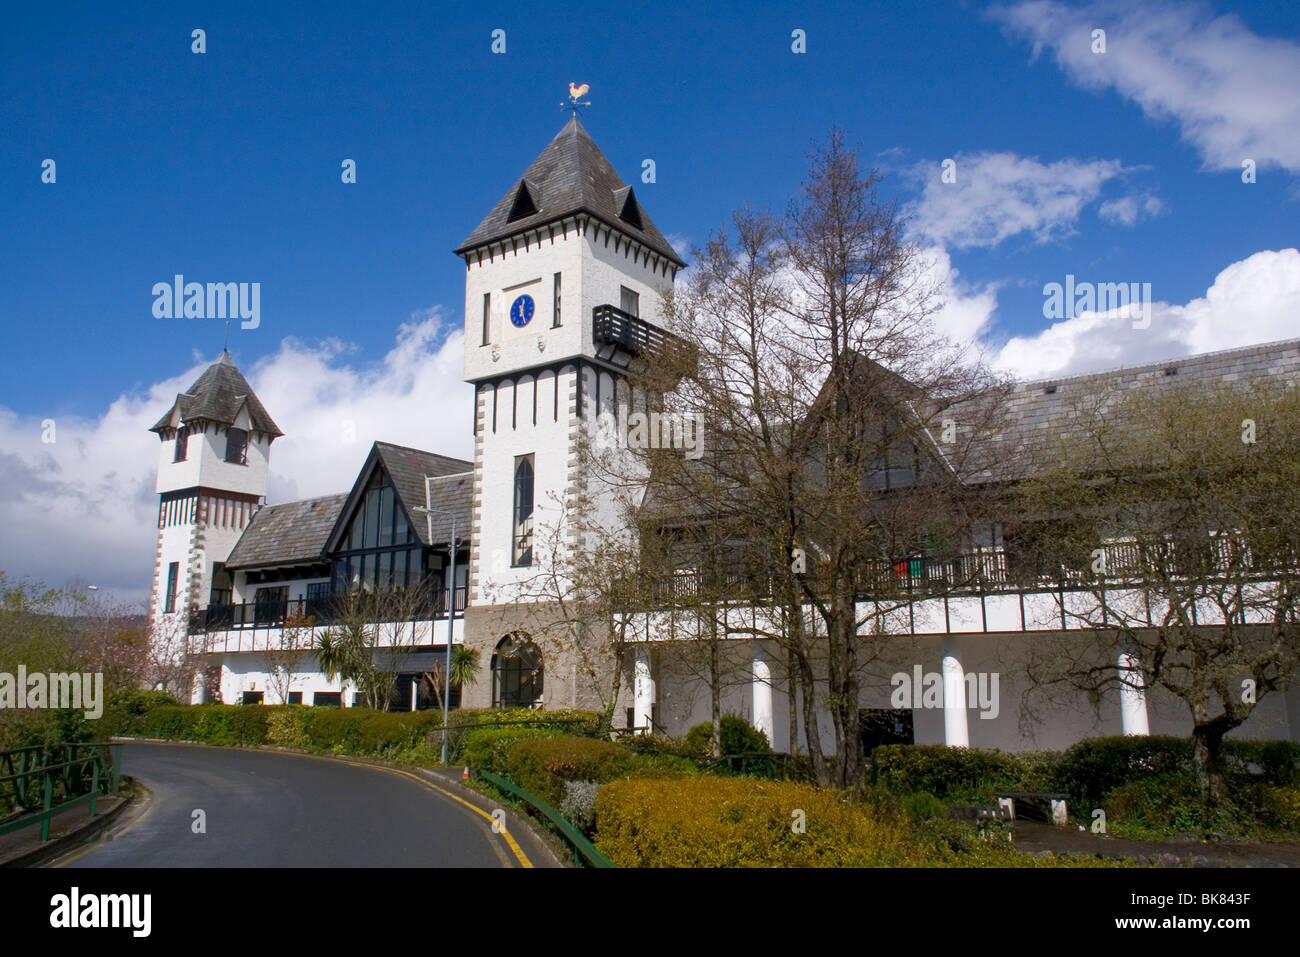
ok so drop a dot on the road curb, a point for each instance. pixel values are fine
(55, 847)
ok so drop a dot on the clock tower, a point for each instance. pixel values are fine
(563, 287)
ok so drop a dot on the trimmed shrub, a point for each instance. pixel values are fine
(284, 727)
(544, 765)
(1280, 807)
(1278, 762)
(1167, 803)
(1091, 768)
(336, 730)
(728, 822)
(485, 747)
(737, 737)
(171, 722)
(952, 773)
(924, 806)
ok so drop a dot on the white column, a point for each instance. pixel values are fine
(762, 680)
(1132, 697)
(955, 732)
(643, 689)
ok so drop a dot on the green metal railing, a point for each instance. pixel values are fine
(575, 837)
(42, 781)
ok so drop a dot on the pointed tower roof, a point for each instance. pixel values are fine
(217, 396)
(570, 176)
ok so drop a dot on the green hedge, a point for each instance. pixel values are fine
(543, 765)
(736, 734)
(953, 773)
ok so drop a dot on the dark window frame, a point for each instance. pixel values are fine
(521, 528)
(236, 446)
(487, 319)
(555, 305)
(173, 583)
(180, 451)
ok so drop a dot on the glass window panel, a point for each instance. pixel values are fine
(367, 571)
(399, 569)
(372, 518)
(385, 516)
(358, 526)
(385, 569)
(402, 535)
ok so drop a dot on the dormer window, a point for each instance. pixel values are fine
(182, 441)
(237, 446)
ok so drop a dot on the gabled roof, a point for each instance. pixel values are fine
(570, 176)
(217, 396)
(289, 534)
(407, 468)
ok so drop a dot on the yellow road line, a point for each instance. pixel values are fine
(514, 845)
(98, 841)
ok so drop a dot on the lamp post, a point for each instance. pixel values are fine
(451, 604)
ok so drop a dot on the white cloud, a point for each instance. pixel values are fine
(1252, 301)
(1000, 195)
(85, 507)
(1231, 92)
(966, 309)
(1127, 210)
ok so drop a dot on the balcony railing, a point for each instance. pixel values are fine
(328, 610)
(994, 570)
(612, 326)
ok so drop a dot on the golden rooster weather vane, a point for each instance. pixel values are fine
(576, 93)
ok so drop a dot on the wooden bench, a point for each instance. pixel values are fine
(1040, 805)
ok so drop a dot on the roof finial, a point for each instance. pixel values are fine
(576, 93)
(225, 346)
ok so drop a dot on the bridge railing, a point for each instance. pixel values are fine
(44, 780)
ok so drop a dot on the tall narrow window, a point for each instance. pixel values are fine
(555, 322)
(629, 301)
(173, 573)
(523, 525)
(487, 315)
(237, 446)
(182, 441)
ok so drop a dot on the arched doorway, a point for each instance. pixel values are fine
(516, 672)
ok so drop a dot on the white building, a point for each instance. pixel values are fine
(562, 288)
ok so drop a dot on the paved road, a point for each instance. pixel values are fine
(271, 809)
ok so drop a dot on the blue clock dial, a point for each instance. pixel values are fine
(521, 312)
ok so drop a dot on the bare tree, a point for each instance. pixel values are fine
(1173, 514)
(285, 659)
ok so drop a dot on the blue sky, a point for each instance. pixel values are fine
(225, 166)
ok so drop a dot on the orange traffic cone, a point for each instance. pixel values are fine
(464, 775)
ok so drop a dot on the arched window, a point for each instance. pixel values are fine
(516, 673)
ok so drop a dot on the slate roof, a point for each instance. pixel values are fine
(407, 467)
(1042, 410)
(293, 533)
(451, 493)
(217, 396)
(571, 175)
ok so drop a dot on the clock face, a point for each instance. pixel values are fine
(521, 312)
